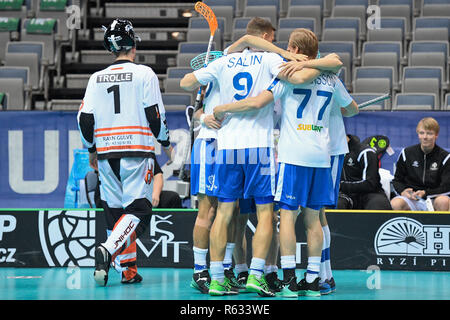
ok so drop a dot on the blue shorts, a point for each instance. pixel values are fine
(245, 173)
(202, 167)
(337, 162)
(304, 186)
(247, 206)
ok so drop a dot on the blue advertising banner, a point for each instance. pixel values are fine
(36, 155)
(36, 149)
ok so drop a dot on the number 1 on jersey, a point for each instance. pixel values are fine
(115, 90)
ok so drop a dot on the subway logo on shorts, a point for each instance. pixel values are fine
(309, 127)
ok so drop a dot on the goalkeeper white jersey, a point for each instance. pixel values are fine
(120, 98)
(305, 120)
(241, 75)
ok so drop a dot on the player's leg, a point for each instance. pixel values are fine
(271, 268)
(288, 243)
(309, 286)
(321, 194)
(326, 284)
(125, 263)
(260, 246)
(228, 176)
(246, 206)
(202, 171)
(229, 250)
(206, 212)
(130, 173)
(220, 285)
(259, 183)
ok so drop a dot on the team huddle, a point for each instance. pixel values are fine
(234, 161)
(236, 166)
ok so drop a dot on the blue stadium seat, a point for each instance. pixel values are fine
(177, 72)
(386, 53)
(397, 9)
(423, 80)
(429, 53)
(287, 25)
(342, 29)
(377, 80)
(351, 3)
(346, 51)
(415, 101)
(354, 9)
(307, 9)
(16, 82)
(276, 3)
(307, 3)
(374, 72)
(198, 30)
(189, 50)
(231, 3)
(262, 11)
(430, 23)
(435, 8)
(176, 101)
(391, 29)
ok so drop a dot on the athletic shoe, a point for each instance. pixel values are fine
(242, 277)
(259, 286)
(332, 284)
(217, 288)
(309, 289)
(289, 288)
(273, 282)
(136, 279)
(102, 263)
(229, 273)
(324, 287)
(200, 281)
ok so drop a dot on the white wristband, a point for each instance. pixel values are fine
(202, 118)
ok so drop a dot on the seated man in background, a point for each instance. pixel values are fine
(163, 198)
(423, 172)
(360, 186)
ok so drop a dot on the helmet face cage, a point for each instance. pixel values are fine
(119, 36)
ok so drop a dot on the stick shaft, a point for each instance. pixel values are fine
(373, 101)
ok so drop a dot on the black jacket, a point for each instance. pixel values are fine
(419, 171)
(360, 171)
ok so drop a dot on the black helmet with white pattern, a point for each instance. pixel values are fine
(119, 36)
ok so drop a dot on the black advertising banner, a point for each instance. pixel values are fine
(359, 239)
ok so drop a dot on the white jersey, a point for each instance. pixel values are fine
(304, 133)
(241, 75)
(210, 101)
(119, 98)
(338, 136)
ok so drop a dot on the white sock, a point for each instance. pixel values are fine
(216, 269)
(270, 268)
(313, 269)
(241, 268)
(257, 267)
(323, 271)
(288, 262)
(228, 258)
(200, 259)
(327, 240)
(121, 233)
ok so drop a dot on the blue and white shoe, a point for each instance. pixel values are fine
(332, 284)
(324, 288)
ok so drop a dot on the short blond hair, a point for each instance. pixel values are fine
(258, 26)
(429, 123)
(306, 42)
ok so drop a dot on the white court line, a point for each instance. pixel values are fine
(24, 277)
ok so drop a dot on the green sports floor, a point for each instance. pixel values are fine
(173, 284)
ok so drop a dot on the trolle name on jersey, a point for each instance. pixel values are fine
(117, 77)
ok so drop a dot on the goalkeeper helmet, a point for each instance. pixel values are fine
(119, 36)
